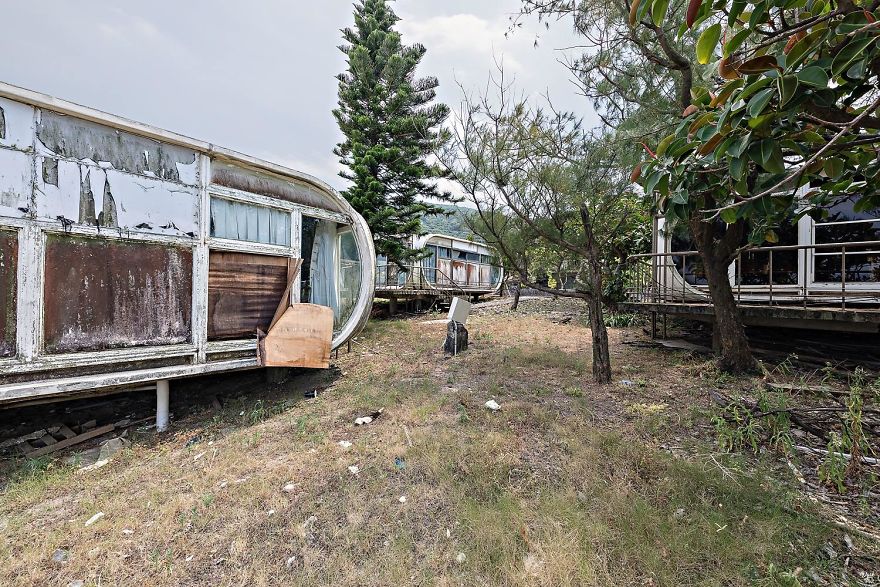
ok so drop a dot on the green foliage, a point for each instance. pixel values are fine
(792, 105)
(739, 427)
(455, 221)
(391, 127)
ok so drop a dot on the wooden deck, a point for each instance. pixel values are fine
(862, 319)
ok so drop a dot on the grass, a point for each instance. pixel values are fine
(565, 485)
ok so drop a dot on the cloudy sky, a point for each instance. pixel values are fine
(257, 76)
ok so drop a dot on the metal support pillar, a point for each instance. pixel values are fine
(162, 397)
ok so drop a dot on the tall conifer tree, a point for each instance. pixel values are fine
(391, 128)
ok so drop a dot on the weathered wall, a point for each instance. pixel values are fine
(8, 291)
(266, 185)
(95, 175)
(103, 294)
(16, 158)
(244, 291)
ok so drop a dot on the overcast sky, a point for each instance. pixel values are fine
(257, 76)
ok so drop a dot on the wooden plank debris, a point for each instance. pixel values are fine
(301, 338)
(94, 432)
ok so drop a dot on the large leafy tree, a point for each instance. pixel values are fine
(391, 126)
(640, 68)
(544, 187)
(791, 103)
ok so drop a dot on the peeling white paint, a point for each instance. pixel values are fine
(16, 169)
(19, 120)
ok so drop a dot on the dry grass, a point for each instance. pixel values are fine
(565, 485)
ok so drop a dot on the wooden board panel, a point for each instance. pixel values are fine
(8, 291)
(243, 292)
(301, 338)
(102, 294)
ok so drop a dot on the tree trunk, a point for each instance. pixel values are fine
(601, 355)
(728, 333)
(516, 289)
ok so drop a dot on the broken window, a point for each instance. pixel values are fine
(349, 277)
(248, 222)
(331, 269)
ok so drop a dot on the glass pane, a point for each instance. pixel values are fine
(247, 222)
(691, 266)
(756, 267)
(430, 265)
(842, 211)
(860, 267)
(847, 233)
(349, 277)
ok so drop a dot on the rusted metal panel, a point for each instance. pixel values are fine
(8, 291)
(102, 294)
(243, 293)
(267, 185)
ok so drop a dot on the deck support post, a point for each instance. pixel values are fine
(392, 306)
(653, 325)
(162, 397)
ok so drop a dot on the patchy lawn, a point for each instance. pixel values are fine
(568, 484)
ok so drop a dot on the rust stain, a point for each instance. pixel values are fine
(8, 292)
(243, 292)
(102, 294)
(273, 187)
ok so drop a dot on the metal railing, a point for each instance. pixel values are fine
(391, 277)
(786, 275)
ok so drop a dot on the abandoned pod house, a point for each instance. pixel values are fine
(454, 266)
(131, 256)
(822, 274)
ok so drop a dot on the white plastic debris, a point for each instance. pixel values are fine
(270, 513)
(460, 558)
(290, 562)
(94, 518)
(127, 531)
(402, 499)
(367, 419)
(345, 443)
(354, 469)
(189, 558)
(448, 533)
(60, 556)
(493, 405)
(289, 488)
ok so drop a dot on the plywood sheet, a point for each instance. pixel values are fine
(243, 293)
(301, 338)
(102, 294)
(8, 291)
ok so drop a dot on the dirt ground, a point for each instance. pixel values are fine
(568, 483)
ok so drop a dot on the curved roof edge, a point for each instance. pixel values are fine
(48, 102)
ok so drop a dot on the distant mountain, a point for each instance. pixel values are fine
(453, 225)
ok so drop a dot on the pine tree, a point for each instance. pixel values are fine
(391, 127)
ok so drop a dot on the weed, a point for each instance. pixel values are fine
(574, 392)
(463, 417)
(621, 320)
(735, 428)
